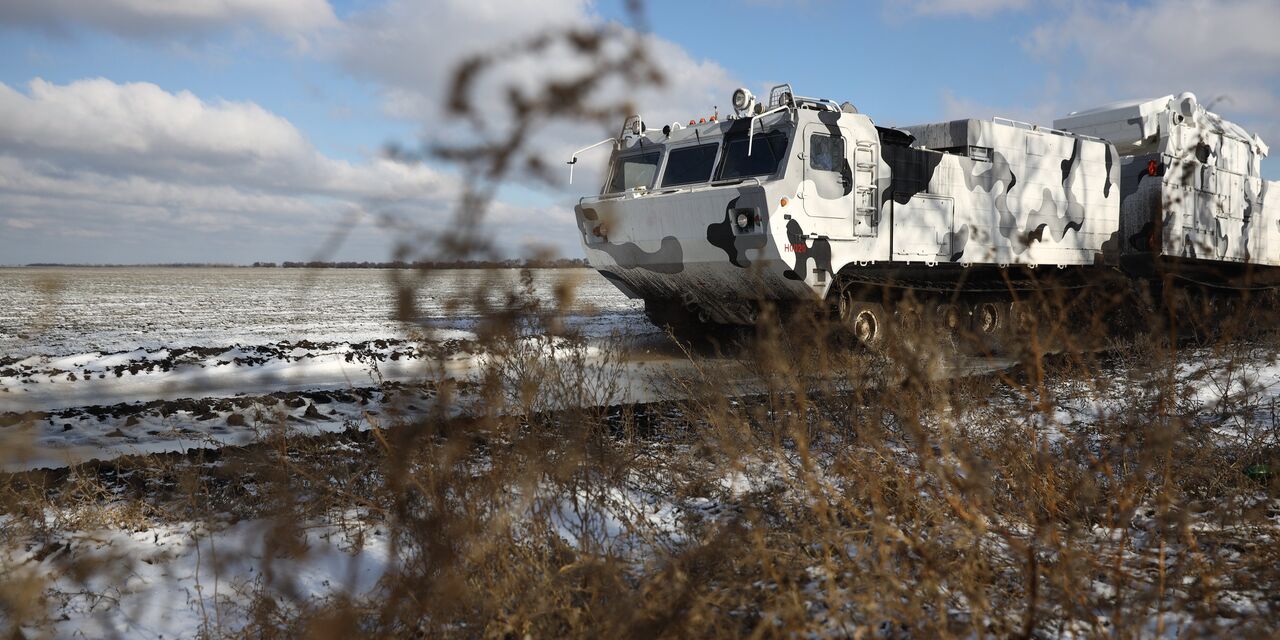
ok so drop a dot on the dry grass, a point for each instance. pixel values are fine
(820, 490)
(844, 493)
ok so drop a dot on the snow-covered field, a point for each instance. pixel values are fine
(101, 362)
(69, 311)
(180, 580)
(96, 362)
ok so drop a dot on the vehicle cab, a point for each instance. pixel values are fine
(712, 216)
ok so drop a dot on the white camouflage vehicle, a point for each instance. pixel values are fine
(802, 199)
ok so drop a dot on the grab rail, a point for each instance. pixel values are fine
(573, 160)
(694, 188)
(1035, 127)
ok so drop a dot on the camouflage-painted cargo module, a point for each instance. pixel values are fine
(793, 199)
(1192, 185)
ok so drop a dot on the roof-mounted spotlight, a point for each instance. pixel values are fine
(633, 126)
(743, 101)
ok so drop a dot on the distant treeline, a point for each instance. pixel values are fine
(560, 263)
(183, 265)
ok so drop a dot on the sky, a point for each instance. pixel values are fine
(234, 131)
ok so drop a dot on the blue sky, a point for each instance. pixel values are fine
(136, 131)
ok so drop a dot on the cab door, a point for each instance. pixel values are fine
(829, 186)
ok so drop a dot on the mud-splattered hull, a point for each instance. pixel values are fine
(692, 249)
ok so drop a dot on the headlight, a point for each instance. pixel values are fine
(744, 220)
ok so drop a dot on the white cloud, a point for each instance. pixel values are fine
(411, 50)
(1100, 52)
(166, 18)
(102, 159)
(101, 171)
(139, 129)
(976, 8)
(1213, 48)
(1223, 51)
(94, 153)
(21, 223)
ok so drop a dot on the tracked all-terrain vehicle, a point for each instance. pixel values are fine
(800, 199)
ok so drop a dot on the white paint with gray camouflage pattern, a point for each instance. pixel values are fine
(847, 195)
(1191, 177)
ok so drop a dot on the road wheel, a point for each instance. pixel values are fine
(950, 318)
(866, 320)
(908, 319)
(1021, 317)
(988, 319)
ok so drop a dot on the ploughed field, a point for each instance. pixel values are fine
(66, 311)
(135, 360)
(101, 362)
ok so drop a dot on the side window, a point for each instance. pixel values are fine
(826, 153)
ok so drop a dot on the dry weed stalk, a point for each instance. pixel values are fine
(798, 487)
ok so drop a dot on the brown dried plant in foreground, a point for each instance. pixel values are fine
(1105, 483)
(834, 492)
(799, 486)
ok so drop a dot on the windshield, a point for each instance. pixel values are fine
(633, 171)
(689, 165)
(766, 155)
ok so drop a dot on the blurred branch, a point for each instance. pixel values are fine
(608, 52)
